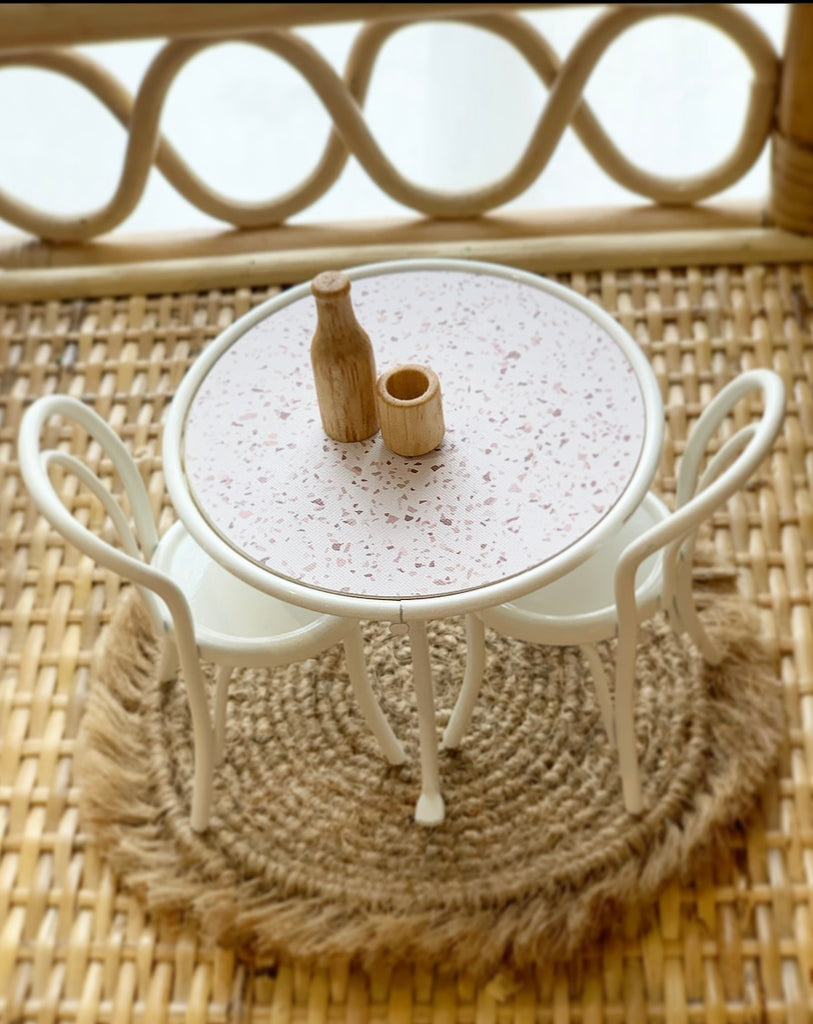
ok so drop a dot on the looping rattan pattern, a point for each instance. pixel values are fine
(343, 100)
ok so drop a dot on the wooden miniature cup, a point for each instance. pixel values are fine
(410, 409)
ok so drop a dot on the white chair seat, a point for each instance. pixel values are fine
(580, 607)
(231, 617)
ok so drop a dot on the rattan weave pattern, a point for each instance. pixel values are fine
(736, 945)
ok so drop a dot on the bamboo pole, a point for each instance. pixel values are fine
(33, 25)
(580, 253)
(791, 202)
(508, 226)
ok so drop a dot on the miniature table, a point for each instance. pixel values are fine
(553, 433)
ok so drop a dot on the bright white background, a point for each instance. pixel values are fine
(450, 105)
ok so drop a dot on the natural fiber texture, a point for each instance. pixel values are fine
(731, 942)
(312, 850)
(792, 191)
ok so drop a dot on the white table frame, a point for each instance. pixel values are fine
(410, 614)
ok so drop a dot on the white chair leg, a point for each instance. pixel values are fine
(603, 696)
(222, 679)
(685, 618)
(202, 795)
(368, 705)
(625, 719)
(472, 679)
(430, 809)
(203, 738)
(168, 666)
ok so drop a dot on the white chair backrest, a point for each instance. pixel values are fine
(138, 540)
(699, 493)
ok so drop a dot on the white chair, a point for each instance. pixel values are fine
(647, 566)
(199, 609)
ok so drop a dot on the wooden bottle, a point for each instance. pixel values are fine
(343, 362)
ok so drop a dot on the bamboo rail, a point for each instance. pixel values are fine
(792, 150)
(579, 253)
(26, 25)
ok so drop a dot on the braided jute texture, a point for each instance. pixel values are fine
(312, 851)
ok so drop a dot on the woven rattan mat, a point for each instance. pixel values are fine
(733, 942)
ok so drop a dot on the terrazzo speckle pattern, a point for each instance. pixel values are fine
(544, 428)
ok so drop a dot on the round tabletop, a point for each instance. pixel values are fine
(553, 432)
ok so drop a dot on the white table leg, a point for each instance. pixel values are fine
(430, 809)
(472, 679)
(370, 708)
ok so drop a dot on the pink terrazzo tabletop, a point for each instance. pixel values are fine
(545, 426)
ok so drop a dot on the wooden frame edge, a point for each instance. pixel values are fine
(574, 253)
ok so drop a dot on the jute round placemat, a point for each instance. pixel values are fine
(313, 852)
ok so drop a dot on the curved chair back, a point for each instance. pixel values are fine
(138, 544)
(138, 539)
(699, 493)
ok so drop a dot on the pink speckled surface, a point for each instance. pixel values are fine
(545, 426)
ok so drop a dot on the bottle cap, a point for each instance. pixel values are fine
(330, 284)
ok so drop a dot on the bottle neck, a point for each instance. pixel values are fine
(335, 313)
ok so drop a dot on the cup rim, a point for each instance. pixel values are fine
(431, 389)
